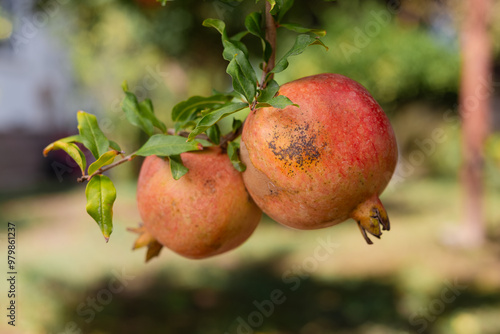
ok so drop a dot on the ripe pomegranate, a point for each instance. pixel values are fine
(206, 212)
(323, 162)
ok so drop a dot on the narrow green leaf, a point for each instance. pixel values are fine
(105, 159)
(71, 149)
(132, 110)
(101, 195)
(91, 135)
(272, 3)
(278, 102)
(302, 30)
(213, 134)
(301, 43)
(147, 110)
(177, 168)
(166, 145)
(269, 92)
(213, 117)
(243, 75)
(183, 111)
(232, 152)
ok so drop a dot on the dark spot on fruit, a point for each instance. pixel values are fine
(210, 184)
(301, 150)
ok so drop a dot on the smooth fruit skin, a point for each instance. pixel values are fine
(318, 164)
(206, 212)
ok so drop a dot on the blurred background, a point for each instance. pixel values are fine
(60, 56)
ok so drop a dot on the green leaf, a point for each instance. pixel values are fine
(213, 117)
(71, 149)
(91, 135)
(253, 24)
(243, 75)
(232, 152)
(101, 195)
(147, 110)
(219, 25)
(284, 6)
(132, 110)
(269, 92)
(113, 145)
(239, 36)
(236, 124)
(166, 145)
(177, 168)
(183, 111)
(105, 159)
(302, 30)
(301, 43)
(213, 134)
(70, 139)
(278, 102)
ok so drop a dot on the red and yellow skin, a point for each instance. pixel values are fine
(328, 160)
(206, 212)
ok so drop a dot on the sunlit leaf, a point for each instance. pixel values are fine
(105, 159)
(166, 145)
(177, 168)
(101, 195)
(91, 135)
(213, 117)
(71, 149)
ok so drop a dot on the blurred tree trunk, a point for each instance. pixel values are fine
(475, 92)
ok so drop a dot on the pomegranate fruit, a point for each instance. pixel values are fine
(323, 162)
(206, 212)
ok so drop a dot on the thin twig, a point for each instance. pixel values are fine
(107, 167)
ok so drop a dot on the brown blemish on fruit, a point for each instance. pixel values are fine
(301, 150)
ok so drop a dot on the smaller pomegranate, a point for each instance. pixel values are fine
(323, 162)
(206, 212)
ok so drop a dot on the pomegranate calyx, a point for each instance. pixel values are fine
(370, 216)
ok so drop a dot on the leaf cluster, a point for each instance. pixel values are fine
(195, 119)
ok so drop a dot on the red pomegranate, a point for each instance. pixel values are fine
(206, 212)
(328, 160)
